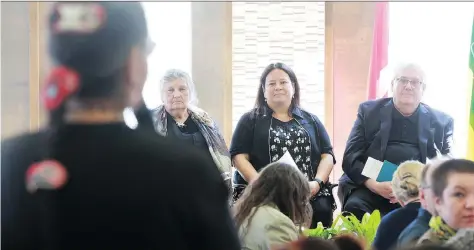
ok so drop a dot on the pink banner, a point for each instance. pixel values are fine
(379, 57)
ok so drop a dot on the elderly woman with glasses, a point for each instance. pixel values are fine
(179, 118)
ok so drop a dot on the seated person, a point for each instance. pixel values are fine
(405, 183)
(394, 129)
(420, 225)
(273, 207)
(453, 190)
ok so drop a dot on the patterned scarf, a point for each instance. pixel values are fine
(210, 132)
(440, 230)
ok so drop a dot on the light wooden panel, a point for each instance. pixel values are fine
(15, 68)
(212, 60)
(267, 32)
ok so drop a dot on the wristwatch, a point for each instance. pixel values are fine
(320, 182)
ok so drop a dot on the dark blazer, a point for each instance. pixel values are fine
(416, 229)
(251, 137)
(371, 131)
(393, 224)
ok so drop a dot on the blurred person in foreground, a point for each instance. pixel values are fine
(88, 181)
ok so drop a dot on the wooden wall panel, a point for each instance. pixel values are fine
(268, 32)
(15, 68)
(24, 64)
(212, 60)
(351, 27)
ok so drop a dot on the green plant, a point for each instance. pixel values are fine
(349, 224)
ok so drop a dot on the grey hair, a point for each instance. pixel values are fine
(398, 68)
(174, 74)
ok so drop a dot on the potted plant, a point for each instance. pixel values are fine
(349, 224)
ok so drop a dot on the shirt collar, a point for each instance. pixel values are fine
(296, 111)
(412, 118)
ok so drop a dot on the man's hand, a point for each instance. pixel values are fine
(314, 187)
(383, 189)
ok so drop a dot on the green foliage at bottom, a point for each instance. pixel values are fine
(349, 224)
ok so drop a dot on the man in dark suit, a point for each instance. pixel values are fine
(393, 129)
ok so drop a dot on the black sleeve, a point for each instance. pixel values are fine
(355, 150)
(323, 137)
(448, 138)
(207, 208)
(19, 227)
(243, 135)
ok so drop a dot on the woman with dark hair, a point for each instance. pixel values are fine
(278, 126)
(453, 191)
(273, 207)
(88, 181)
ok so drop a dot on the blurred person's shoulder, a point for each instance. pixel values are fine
(172, 156)
(149, 151)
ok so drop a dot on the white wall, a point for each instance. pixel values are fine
(169, 25)
(437, 36)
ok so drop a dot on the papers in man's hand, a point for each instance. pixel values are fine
(287, 159)
(372, 168)
(379, 171)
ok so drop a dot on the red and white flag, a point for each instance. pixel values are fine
(379, 57)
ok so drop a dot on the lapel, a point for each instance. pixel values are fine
(385, 126)
(424, 131)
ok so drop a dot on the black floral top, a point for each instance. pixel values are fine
(292, 137)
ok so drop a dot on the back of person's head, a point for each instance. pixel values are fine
(342, 242)
(310, 243)
(282, 185)
(406, 181)
(99, 52)
(349, 242)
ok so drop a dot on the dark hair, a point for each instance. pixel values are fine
(260, 103)
(280, 184)
(342, 242)
(349, 242)
(440, 175)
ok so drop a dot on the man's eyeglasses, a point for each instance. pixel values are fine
(404, 81)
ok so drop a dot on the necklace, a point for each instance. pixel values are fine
(180, 124)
